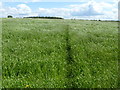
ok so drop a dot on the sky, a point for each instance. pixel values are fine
(68, 9)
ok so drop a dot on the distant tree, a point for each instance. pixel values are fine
(10, 16)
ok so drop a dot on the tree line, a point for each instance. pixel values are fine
(42, 17)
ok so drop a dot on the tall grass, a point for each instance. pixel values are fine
(95, 52)
(0, 53)
(59, 54)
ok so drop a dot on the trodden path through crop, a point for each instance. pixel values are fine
(70, 61)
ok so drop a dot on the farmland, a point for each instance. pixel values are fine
(38, 53)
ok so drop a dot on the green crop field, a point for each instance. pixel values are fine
(42, 53)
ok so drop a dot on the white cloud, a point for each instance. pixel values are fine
(1, 9)
(23, 9)
(20, 10)
(95, 10)
(12, 10)
(90, 10)
(87, 9)
(60, 12)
